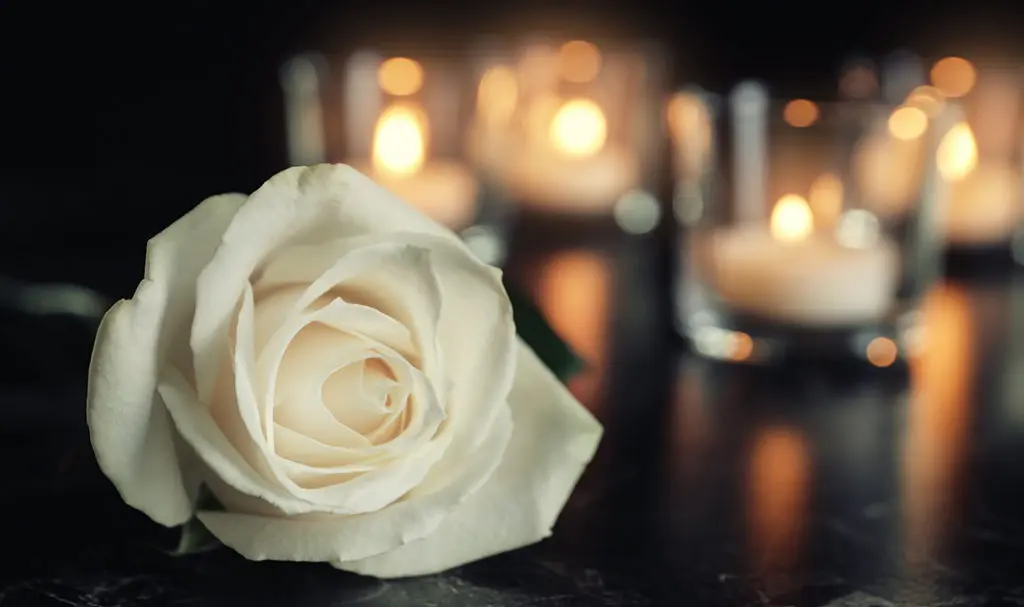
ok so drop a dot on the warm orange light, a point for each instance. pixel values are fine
(574, 292)
(497, 94)
(538, 69)
(800, 113)
(400, 76)
(580, 61)
(957, 154)
(399, 140)
(826, 200)
(908, 123)
(779, 488)
(882, 352)
(690, 125)
(927, 98)
(954, 76)
(792, 220)
(579, 128)
(741, 347)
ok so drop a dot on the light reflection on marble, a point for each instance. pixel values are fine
(938, 423)
(574, 292)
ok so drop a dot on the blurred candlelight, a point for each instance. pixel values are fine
(984, 196)
(957, 154)
(954, 76)
(444, 190)
(908, 123)
(400, 76)
(791, 219)
(399, 140)
(800, 113)
(882, 352)
(580, 61)
(579, 128)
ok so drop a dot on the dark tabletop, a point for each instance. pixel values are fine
(714, 485)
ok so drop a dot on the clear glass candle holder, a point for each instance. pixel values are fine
(809, 230)
(982, 156)
(570, 128)
(399, 117)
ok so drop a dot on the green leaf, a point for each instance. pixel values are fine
(538, 334)
(195, 537)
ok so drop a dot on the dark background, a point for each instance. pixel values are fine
(120, 117)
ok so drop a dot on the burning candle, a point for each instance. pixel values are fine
(792, 273)
(445, 190)
(985, 196)
(567, 163)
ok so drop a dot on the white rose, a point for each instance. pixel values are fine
(345, 378)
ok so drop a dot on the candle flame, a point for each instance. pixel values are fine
(400, 76)
(579, 128)
(792, 220)
(398, 141)
(957, 154)
(908, 123)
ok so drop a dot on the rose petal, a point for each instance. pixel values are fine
(553, 441)
(129, 428)
(196, 425)
(336, 491)
(344, 317)
(477, 335)
(315, 354)
(354, 537)
(475, 329)
(384, 273)
(299, 204)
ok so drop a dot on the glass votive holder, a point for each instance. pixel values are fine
(981, 157)
(791, 246)
(400, 117)
(570, 129)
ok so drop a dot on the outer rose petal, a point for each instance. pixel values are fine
(300, 204)
(327, 538)
(129, 426)
(553, 441)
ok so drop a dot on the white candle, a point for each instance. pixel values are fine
(790, 274)
(985, 205)
(590, 185)
(444, 190)
(569, 166)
